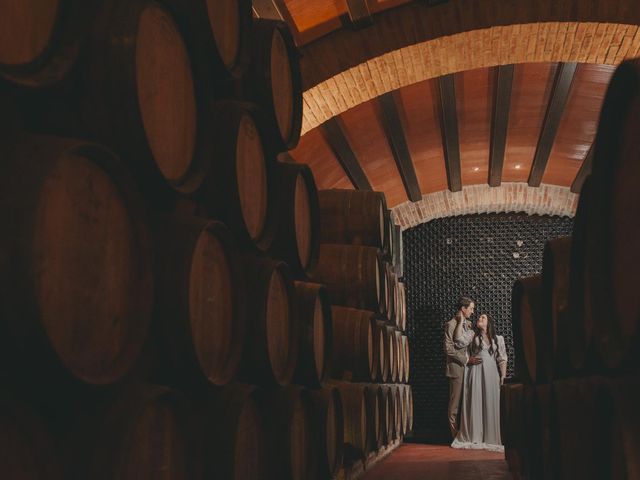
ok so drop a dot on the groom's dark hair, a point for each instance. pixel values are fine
(464, 302)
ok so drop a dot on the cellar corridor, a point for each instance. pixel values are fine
(439, 462)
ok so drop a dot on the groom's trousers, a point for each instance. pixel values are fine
(455, 391)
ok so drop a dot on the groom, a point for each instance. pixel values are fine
(457, 359)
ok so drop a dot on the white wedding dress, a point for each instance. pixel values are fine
(480, 409)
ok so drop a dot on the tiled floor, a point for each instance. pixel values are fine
(438, 462)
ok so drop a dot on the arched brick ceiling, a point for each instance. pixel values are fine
(597, 43)
(404, 53)
(475, 95)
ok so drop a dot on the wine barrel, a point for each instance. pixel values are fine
(228, 426)
(398, 250)
(525, 314)
(355, 405)
(386, 415)
(143, 432)
(390, 294)
(270, 351)
(329, 425)
(394, 413)
(580, 319)
(76, 277)
(513, 427)
(354, 276)
(539, 433)
(382, 343)
(375, 416)
(200, 301)
(399, 356)
(401, 307)
(238, 188)
(617, 429)
(388, 244)
(616, 209)
(218, 36)
(573, 404)
(287, 414)
(551, 354)
(28, 451)
(409, 408)
(394, 372)
(40, 42)
(405, 351)
(274, 81)
(399, 411)
(316, 334)
(352, 217)
(297, 236)
(137, 94)
(353, 347)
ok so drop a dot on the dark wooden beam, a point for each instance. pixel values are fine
(358, 15)
(449, 129)
(585, 170)
(500, 122)
(268, 9)
(334, 135)
(398, 144)
(555, 109)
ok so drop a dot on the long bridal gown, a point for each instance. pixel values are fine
(480, 409)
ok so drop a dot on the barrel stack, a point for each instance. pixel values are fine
(175, 301)
(577, 327)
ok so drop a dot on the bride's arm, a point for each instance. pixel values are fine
(462, 338)
(501, 358)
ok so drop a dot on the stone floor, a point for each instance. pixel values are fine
(438, 462)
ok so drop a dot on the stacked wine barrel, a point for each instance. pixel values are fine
(370, 363)
(169, 307)
(576, 326)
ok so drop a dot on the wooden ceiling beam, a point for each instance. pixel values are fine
(276, 10)
(333, 133)
(269, 9)
(398, 145)
(585, 170)
(449, 129)
(358, 15)
(557, 102)
(500, 122)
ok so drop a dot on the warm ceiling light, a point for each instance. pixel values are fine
(518, 166)
(476, 169)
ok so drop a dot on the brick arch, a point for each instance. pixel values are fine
(508, 197)
(584, 42)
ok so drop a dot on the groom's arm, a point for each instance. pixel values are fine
(458, 355)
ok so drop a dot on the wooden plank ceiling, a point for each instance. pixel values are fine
(440, 133)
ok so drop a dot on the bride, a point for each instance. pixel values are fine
(480, 411)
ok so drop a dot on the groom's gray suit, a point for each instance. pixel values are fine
(457, 359)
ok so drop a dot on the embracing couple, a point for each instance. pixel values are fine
(476, 367)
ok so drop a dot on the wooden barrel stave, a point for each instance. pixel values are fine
(287, 414)
(270, 352)
(526, 313)
(615, 210)
(227, 425)
(352, 217)
(316, 334)
(297, 234)
(200, 305)
(329, 416)
(90, 246)
(238, 189)
(554, 304)
(274, 82)
(353, 347)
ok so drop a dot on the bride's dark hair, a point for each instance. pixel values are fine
(476, 345)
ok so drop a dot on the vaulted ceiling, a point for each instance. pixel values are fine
(413, 98)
